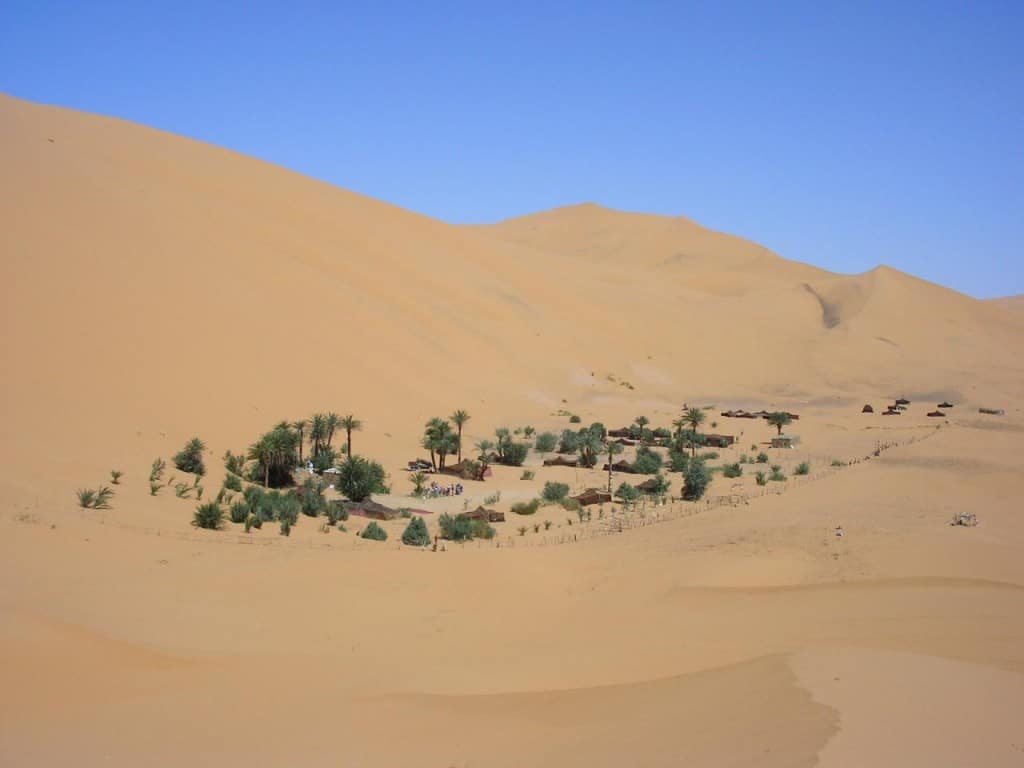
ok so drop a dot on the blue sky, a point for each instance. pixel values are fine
(845, 134)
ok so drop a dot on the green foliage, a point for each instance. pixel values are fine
(528, 474)
(492, 499)
(761, 478)
(374, 532)
(199, 493)
(647, 461)
(526, 507)
(250, 520)
(233, 463)
(154, 488)
(803, 468)
(95, 499)
(696, 479)
(209, 516)
(554, 492)
(590, 446)
(182, 490)
(457, 528)
(416, 533)
(440, 440)
(545, 442)
(336, 511)
(312, 497)
(522, 530)
(627, 493)
(678, 461)
(419, 482)
(513, 454)
(777, 474)
(709, 456)
(275, 454)
(744, 459)
(838, 463)
(481, 529)
(570, 504)
(661, 433)
(115, 476)
(762, 458)
(232, 482)
(660, 485)
(286, 526)
(239, 511)
(569, 441)
(156, 470)
(190, 458)
(575, 419)
(360, 477)
(779, 419)
(325, 459)
(732, 470)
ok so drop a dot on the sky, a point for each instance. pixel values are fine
(845, 134)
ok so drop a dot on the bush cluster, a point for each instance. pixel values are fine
(526, 507)
(190, 458)
(696, 479)
(554, 492)
(374, 532)
(416, 533)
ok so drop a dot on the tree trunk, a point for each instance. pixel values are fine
(266, 475)
(460, 444)
(348, 442)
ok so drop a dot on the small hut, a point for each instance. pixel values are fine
(782, 441)
(625, 441)
(467, 470)
(719, 441)
(992, 411)
(902, 401)
(620, 466)
(593, 496)
(944, 404)
(937, 414)
(561, 461)
(371, 509)
(623, 432)
(487, 515)
(867, 409)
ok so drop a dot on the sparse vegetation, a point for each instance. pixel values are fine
(574, 419)
(361, 477)
(233, 482)
(416, 533)
(803, 468)
(554, 492)
(732, 470)
(182, 490)
(838, 463)
(455, 528)
(762, 458)
(647, 461)
(239, 511)
(570, 504)
(696, 479)
(777, 474)
(492, 499)
(419, 483)
(528, 474)
(190, 458)
(627, 493)
(95, 499)
(235, 464)
(526, 507)
(154, 488)
(374, 532)
(522, 530)
(115, 476)
(545, 442)
(156, 470)
(761, 478)
(209, 516)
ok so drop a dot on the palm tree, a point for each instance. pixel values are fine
(333, 422)
(317, 433)
(679, 424)
(459, 418)
(613, 448)
(693, 417)
(779, 419)
(350, 424)
(300, 428)
(484, 448)
(432, 429)
(641, 422)
(274, 451)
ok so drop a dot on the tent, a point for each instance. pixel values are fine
(593, 496)
(559, 461)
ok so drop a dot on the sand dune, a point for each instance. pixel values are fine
(156, 288)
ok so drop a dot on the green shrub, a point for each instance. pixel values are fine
(660, 486)
(777, 474)
(647, 463)
(156, 470)
(708, 456)
(286, 526)
(190, 458)
(627, 493)
(239, 511)
(528, 474)
(115, 476)
(526, 507)
(456, 528)
(522, 530)
(838, 463)
(761, 478)
(803, 468)
(325, 459)
(86, 498)
(569, 442)
(545, 442)
(515, 454)
(744, 459)
(492, 499)
(732, 470)
(547, 525)
(570, 504)
(182, 490)
(360, 477)
(416, 533)
(374, 532)
(336, 511)
(209, 516)
(661, 433)
(678, 461)
(554, 492)
(482, 529)
(696, 479)
(312, 497)
(234, 464)
(199, 493)
(762, 458)
(232, 482)
(574, 419)
(154, 488)
(250, 520)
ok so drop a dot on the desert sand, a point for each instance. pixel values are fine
(157, 288)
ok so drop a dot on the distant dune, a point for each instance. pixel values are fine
(1015, 303)
(156, 288)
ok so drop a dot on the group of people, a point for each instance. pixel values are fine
(436, 489)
